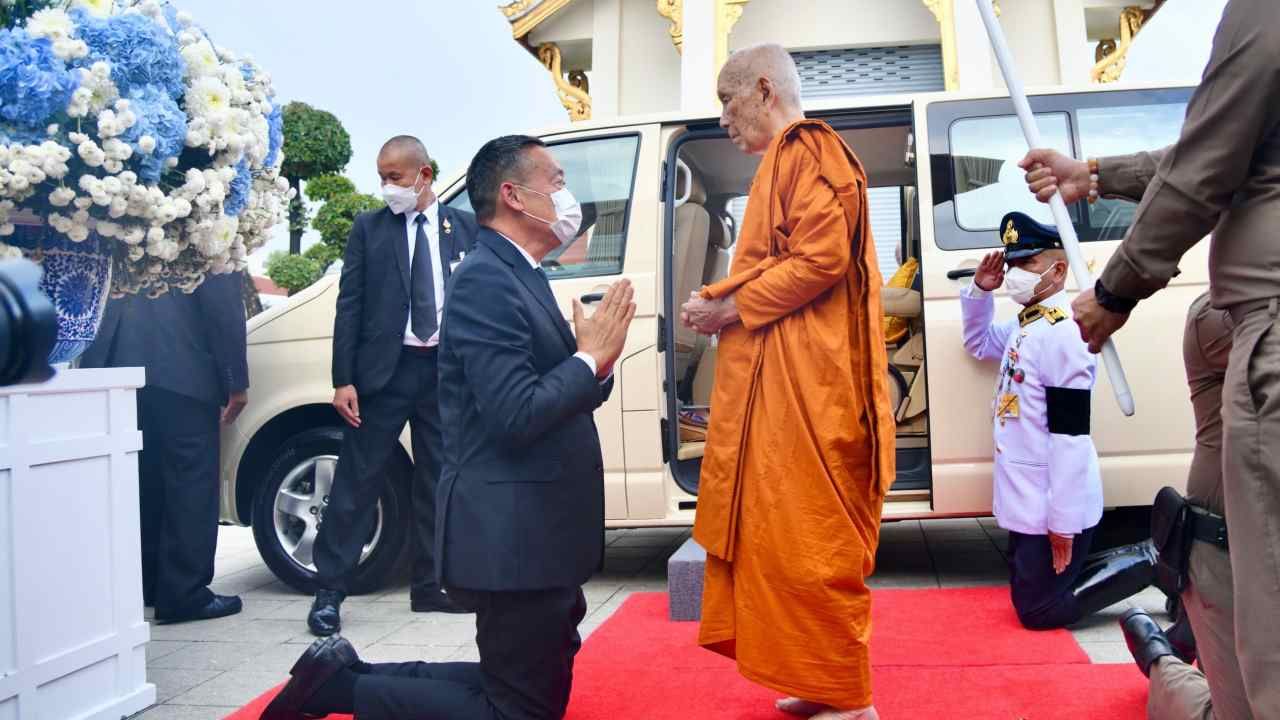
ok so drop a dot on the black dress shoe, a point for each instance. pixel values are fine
(1145, 639)
(325, 617)
(425, 601)
(219, 606)
(317, 665)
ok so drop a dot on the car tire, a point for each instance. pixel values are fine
(287, 513)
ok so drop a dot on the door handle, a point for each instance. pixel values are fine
(590, 298)
(961, 273)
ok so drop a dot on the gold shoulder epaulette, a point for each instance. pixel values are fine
(1036, 312)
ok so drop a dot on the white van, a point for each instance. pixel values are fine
(663, 198)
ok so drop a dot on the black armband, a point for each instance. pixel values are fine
(1068, 410)
(1112, 302)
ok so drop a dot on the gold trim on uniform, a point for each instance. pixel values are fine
(1031, 314)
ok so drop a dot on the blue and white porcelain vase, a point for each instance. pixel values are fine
(77, 279)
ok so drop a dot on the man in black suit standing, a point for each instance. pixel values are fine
(192, 346)
(521, 522)
(385, 350)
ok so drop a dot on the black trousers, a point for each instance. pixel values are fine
(178, 489)
(527, 643)
(1042, 598)
(410, 396)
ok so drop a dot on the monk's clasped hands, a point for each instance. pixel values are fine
(708, 317)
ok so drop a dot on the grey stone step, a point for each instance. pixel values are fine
(684, 581)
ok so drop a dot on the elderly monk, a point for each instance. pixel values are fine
(800, 449)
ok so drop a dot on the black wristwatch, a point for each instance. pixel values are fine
(1112, 302)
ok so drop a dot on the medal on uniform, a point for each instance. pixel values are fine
(1007, 408)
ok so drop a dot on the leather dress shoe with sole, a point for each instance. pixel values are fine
(318, 664)
(219, 606)
(1145, 639)
(325, 617)
(433, 601)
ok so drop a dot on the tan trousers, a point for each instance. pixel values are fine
(1251, 480)
(1180, 691)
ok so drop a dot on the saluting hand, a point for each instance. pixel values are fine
(1061, 547)
(603, 335)
(990, 274)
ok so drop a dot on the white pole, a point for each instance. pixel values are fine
(1071, 243)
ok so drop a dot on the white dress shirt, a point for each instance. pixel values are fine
(432, 228)
(584, 357)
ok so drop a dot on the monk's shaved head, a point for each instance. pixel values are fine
(759, 89)
(771, 61)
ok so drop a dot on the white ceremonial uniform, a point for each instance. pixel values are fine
(1046, 471)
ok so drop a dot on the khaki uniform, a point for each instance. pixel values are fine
(1223, 176)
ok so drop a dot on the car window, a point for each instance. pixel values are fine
(988, 182)
(1119, 131)
(601, 174)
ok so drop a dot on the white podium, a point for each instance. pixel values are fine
(72, 635)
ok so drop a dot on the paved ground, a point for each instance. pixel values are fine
(204, 671)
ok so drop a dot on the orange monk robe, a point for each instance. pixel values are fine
(800, 449)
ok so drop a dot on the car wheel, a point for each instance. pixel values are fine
(289, 510)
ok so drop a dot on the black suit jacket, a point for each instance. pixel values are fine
(373, 293)
(191, 344)
(521, 499)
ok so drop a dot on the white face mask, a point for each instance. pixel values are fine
(402, 199)
(1022, 285)
(568, 214)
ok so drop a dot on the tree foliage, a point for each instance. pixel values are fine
(333, 220)
(293, 272)
(315, 144)
(327, 187)
(324, 254)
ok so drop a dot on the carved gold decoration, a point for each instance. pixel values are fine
(525, 15)
(1112, 62)
(513, 9)
(728, 13)
(572, 91)
(673, 10)
(944, 11)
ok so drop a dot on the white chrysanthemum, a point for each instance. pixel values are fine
(202, 60)
(209, 98)
(147, 144)
(62, 197)
(91, 154)
(100, 8)
(80, 101)
(54, 24)
(70, 49)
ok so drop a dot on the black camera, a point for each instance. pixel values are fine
(28, 325)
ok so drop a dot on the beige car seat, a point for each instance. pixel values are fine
(692, 231)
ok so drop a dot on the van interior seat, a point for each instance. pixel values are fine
(692, 231)
(717, 262)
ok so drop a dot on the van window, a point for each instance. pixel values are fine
(1119, 131)
(601, 174)
(885, 206)
(988, 182)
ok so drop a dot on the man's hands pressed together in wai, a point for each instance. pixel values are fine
(603, 335)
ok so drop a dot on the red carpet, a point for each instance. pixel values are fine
(936, 654)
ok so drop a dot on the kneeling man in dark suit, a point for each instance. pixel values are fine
(521, 500)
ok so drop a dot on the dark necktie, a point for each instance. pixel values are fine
(422, 284)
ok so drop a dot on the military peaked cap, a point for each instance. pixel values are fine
(1023, 237)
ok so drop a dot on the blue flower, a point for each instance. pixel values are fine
(275, 127)
(160, 117)
(35, 84)
(140, 51)
(238, 196)
(246, 72)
